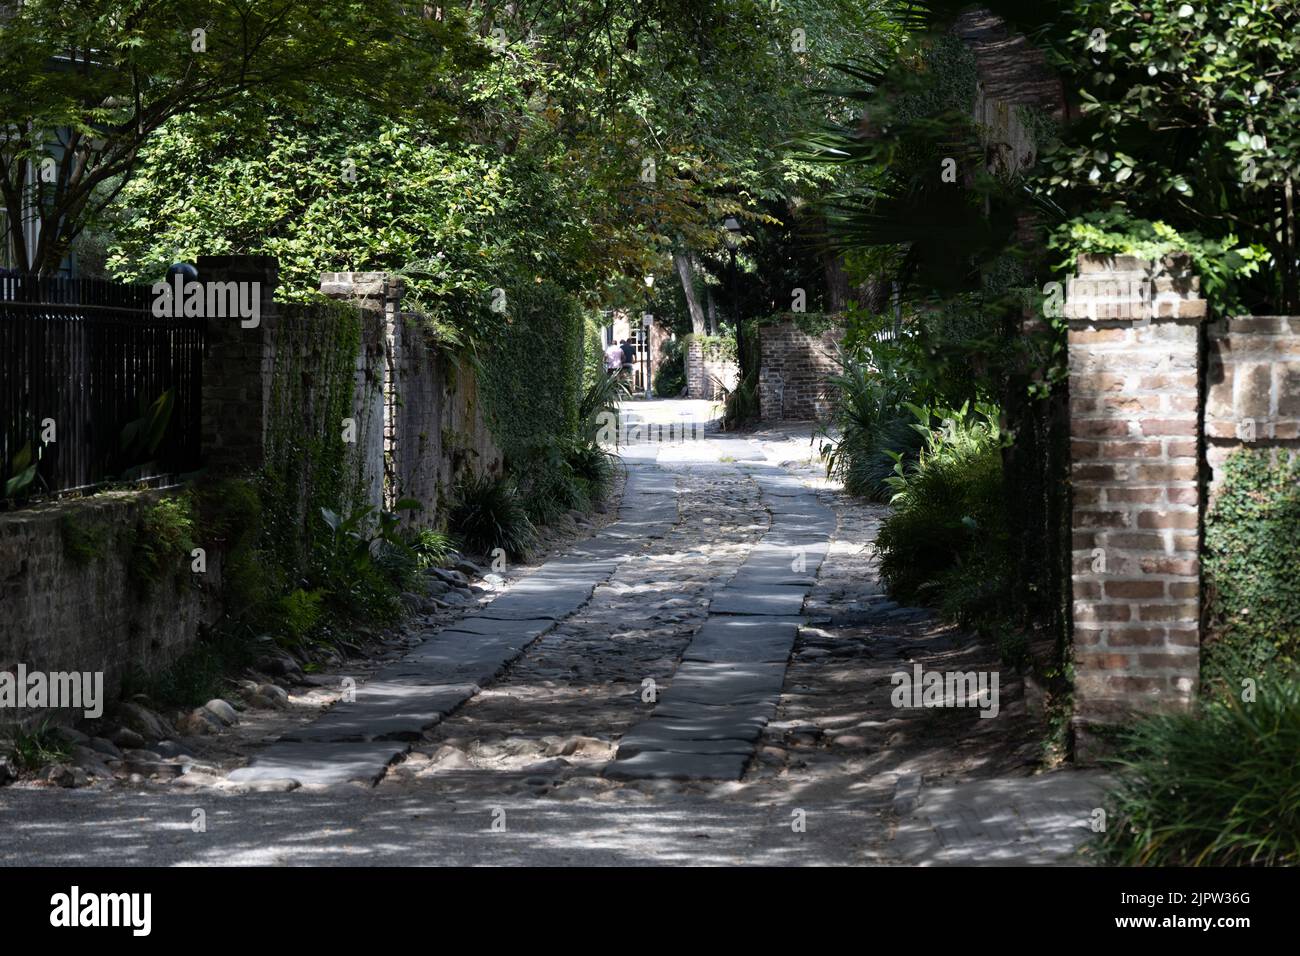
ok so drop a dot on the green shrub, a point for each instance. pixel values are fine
(363, 565)
(198, 675)
(945, 541)
(593, 351)
(488, 513)
(432, 549)
(39, 747)
(741, 403)
(532, 376)
(593, 468)
(300, 611)
(1252, 564)
(872, 422)
(1220, 787)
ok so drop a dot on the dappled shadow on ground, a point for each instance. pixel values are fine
(838, 733)
(515, 775)
(558, 711)
(356, 829)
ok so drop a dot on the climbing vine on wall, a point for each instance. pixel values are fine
(532, 374)
(308, 465)
(1251, 564)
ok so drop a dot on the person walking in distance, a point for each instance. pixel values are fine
(613, 359)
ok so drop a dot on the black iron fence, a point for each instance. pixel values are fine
(93, 387)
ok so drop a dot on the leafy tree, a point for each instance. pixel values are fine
(1190, 115)
(89, 83)
(335, 187)
(555, 129)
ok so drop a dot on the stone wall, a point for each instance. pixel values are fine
(67, 610)
(439, 428)
(710, 372)
(434, 427)
(417, 423)
(1252, 387)
(1135, 362)
(795, 370)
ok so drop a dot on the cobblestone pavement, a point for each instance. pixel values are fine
(782, 750)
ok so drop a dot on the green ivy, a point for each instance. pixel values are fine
(1221, 263)
(1251, 564)
(308, 466)
(718, 347)
(809, 323)
(532, 374)
(162, 542)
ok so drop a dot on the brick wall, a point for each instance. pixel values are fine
(708, 370)
(1252, 387)
(794, 372)
(1135, 362)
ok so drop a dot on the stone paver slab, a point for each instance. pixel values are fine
(319, 763)
(780, 600)
(726, 683)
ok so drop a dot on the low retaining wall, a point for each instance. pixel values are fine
(68, 600)
(278, 391)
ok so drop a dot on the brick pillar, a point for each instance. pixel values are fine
(1135, 364)
(236, 367)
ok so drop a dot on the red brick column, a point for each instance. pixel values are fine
(1135, 365)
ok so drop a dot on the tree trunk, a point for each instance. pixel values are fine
(873, 295)
(683, 263)
(837, 283)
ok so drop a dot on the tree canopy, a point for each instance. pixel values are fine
(89, 83)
